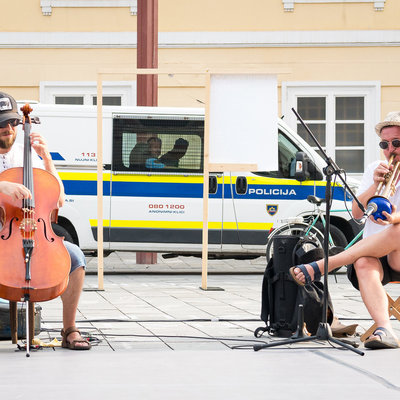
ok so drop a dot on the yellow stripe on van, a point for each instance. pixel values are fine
(259, 180)
(280, 181)
(158, 178)
(253, 226)
(91, 176)
(156, 224)
(82, 176)
(181, 224)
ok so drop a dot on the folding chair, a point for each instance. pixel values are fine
(394, 310)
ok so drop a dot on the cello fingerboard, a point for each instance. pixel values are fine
(28, 172)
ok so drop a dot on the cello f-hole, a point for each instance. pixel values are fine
(45, 230)
(9, 228)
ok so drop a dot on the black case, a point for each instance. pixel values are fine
(281, 296)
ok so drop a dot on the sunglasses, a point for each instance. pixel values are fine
(385, 144)
(12, 122)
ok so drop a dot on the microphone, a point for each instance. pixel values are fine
(372, 207)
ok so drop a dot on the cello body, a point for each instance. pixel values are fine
(49, 261)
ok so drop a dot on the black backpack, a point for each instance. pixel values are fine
(281, 296)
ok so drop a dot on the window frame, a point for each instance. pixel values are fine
(288, 5)
(48, 5)
(48, 91)
(370, 90)
(118, 167)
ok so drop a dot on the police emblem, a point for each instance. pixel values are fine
(272, 209)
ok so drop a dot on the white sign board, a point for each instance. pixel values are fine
(243, 120)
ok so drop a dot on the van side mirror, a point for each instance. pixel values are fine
(306, 169)
(301, 173)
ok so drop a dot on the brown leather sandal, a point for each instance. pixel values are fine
(72, 345)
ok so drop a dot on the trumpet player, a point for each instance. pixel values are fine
(375, 260)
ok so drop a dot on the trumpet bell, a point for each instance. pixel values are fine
(382, 204)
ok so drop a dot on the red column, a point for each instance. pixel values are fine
(147, 51)
(147, 85)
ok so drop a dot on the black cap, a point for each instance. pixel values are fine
(8, 108)
(181, 143)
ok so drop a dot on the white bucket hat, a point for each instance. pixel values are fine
(392, 119)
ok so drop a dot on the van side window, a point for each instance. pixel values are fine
(157, 144)
(286, 159)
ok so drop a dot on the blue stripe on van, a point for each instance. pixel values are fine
(137, 189)
(193, 190)
(84, 188)
(57, 156)
(146, 189)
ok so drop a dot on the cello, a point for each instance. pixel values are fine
(34, 263)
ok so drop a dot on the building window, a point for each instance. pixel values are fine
(288, 5)
(121, 93)
(349, 133)
(48, 5)
(109, 100)
(341, 118)
(68, 100)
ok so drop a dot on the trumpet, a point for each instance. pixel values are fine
(379, 202)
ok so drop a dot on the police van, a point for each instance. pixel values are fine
(153, 183)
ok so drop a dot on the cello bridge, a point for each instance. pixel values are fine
(28, 225)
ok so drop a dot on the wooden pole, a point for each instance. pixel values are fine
(100, 259)
(204, 256)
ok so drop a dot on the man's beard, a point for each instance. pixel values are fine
(8, 142)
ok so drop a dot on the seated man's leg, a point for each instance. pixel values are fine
(70, 297)
(370, 275)
(376, 246)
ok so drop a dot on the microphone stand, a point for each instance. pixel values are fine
(324, 331)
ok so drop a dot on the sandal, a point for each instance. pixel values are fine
(385, 340)
(72, 345)
(303, 269)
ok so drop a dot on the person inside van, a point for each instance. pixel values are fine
(11, 155)
(138, 156)
(172, 157)
(155, 151)
(375, 260)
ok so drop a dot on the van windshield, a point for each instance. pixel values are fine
(286, 158)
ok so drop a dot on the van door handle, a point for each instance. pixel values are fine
(241, 185)
(212, 184)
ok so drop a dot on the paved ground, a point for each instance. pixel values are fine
(159, 336)
(125, 262)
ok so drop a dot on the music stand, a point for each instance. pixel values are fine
(324, 331)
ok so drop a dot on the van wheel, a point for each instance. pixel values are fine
(61, 231)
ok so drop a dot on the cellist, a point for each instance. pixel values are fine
(11, 155)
